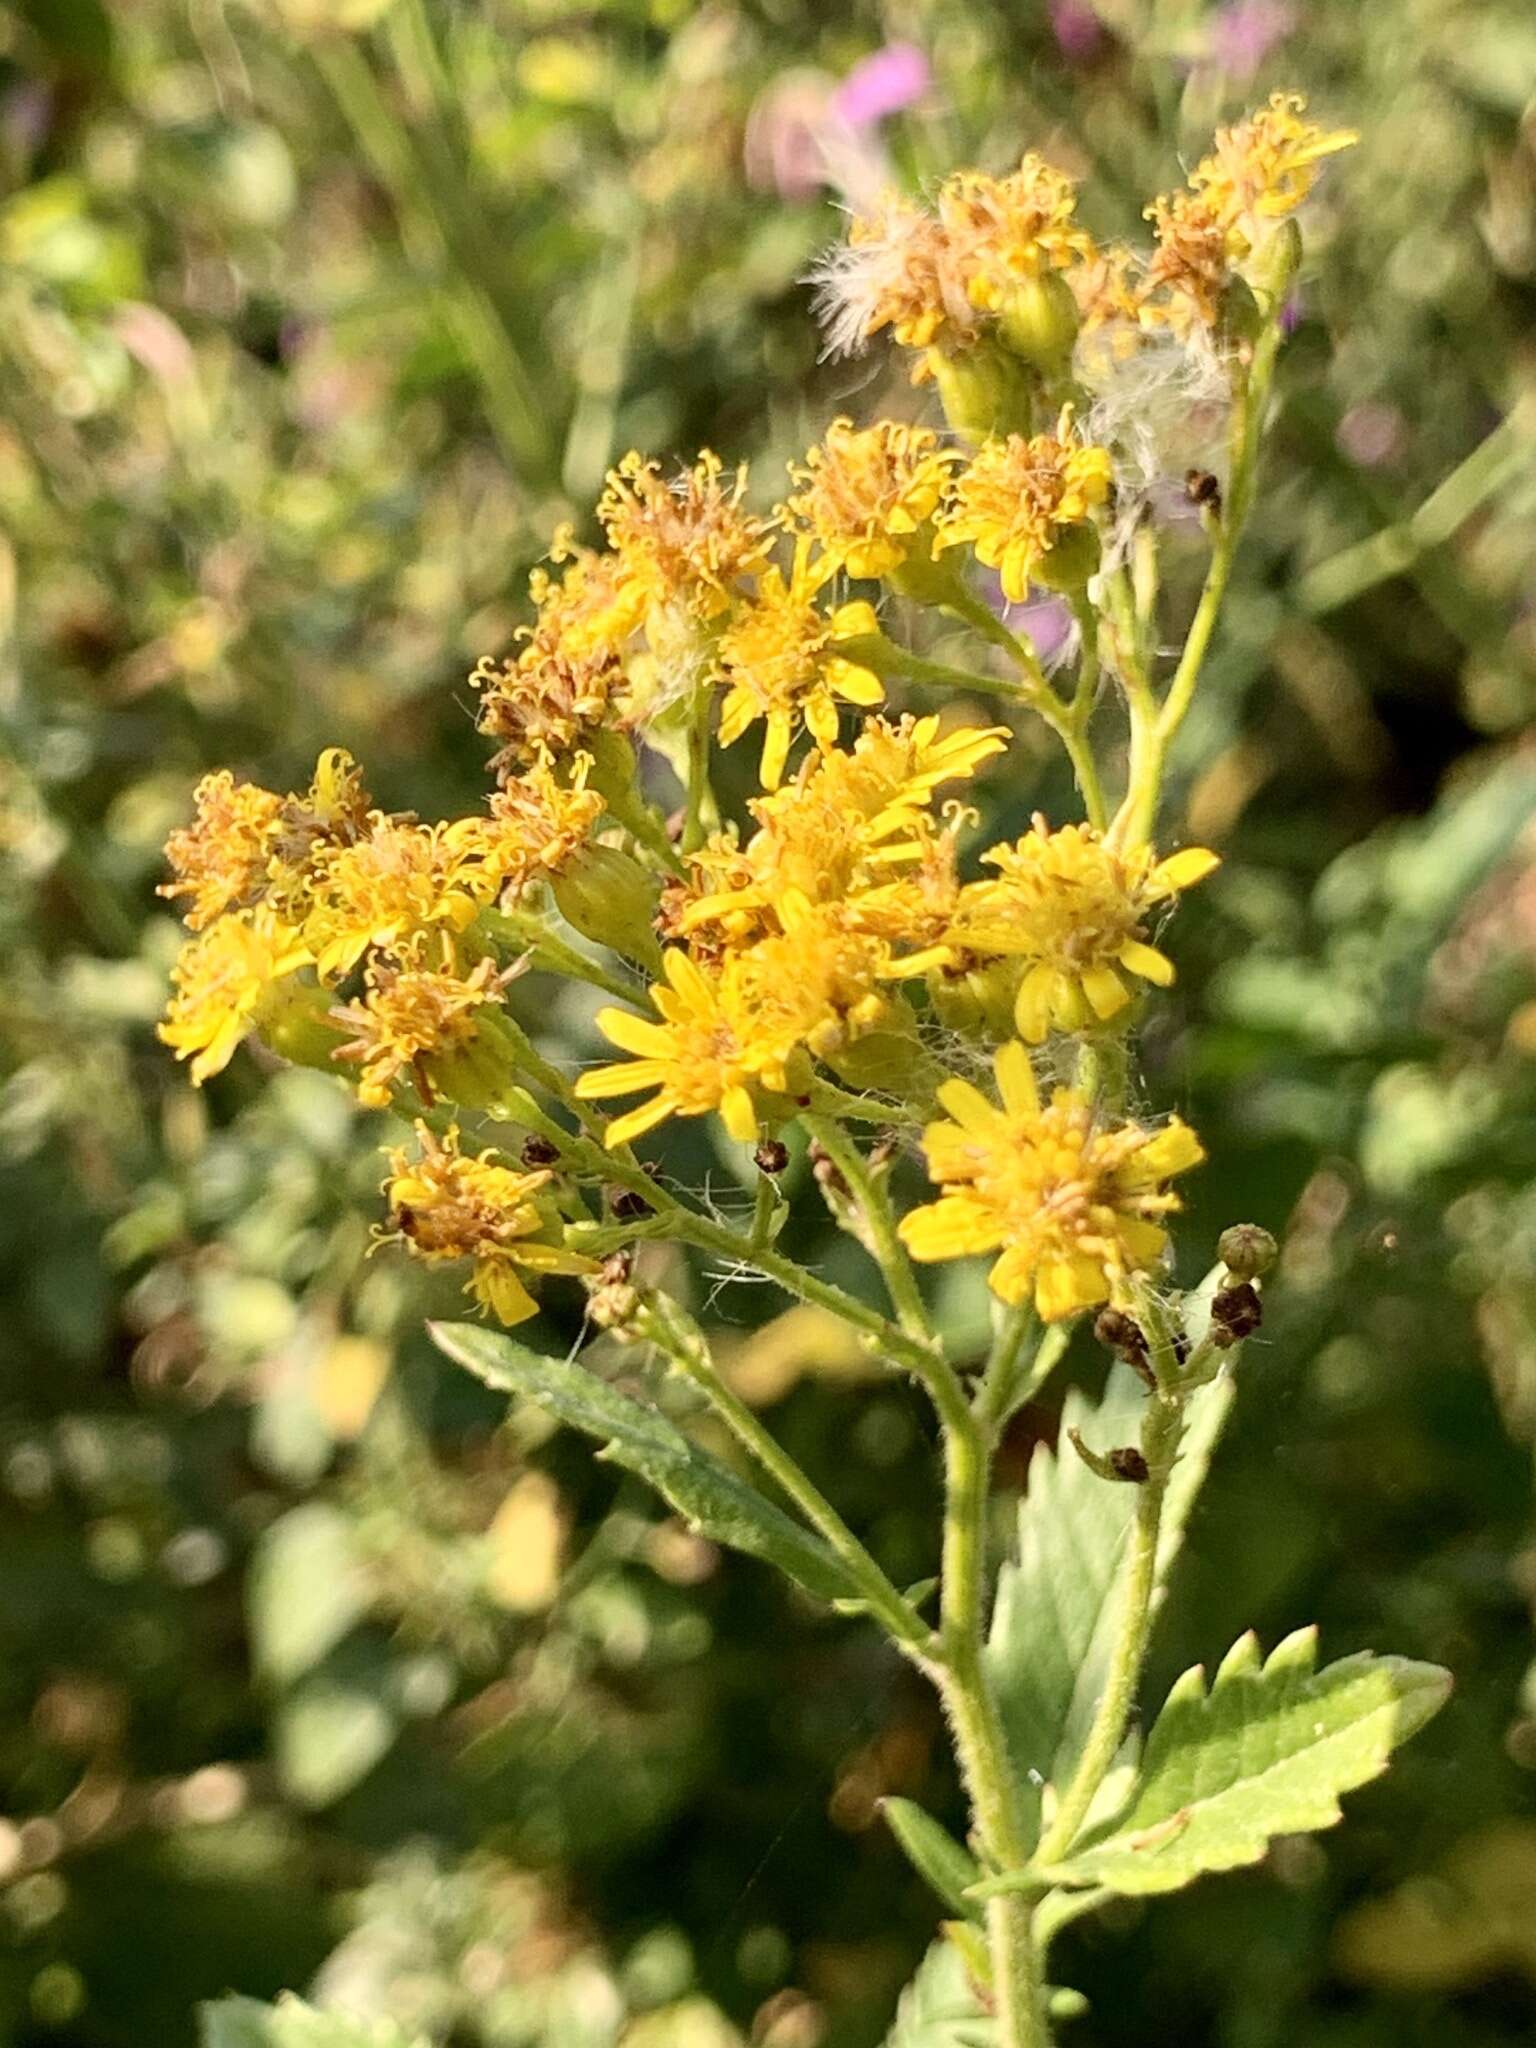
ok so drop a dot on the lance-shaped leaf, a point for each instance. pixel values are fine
(939, 2009)
(1053, 1624)
(641, 1439)
(934, 1854)
(1267, 1751)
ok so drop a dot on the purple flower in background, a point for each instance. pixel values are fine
(887, 83)
(1078, 30)
(1244, 33)
(807, 132)
(1292, 313)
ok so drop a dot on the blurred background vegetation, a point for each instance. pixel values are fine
(316, 317)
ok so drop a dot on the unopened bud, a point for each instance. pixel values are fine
(607, 896)
(771, 1156)
(539, 1151)
(985, 390)
(1246, 1251)
(1039, 322)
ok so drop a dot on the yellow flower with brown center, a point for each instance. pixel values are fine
(219, 861)
(1076, 1207)
(409, 1019)
(778, 661)
(1024, 506)
(697, 1058)
(224, 980)
(400, 879)
(446, 1205)
(686, 540)
(866, 493)
(1003, 233)
(1075, 912)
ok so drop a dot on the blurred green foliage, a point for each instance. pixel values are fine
(316, 318)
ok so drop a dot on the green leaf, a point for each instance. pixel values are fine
(306, 1591)
(1053, 1623)
(939, 2009)
(246, 2023)
(642, 1439)
(934, 1854)
(1266, 1752)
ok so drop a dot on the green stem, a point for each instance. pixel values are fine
(680, 1338)
(884, 1243)
(700, 802)
(1160, 1442)
(980, 1742)
(555, 954)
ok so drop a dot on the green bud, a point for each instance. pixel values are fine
(888, 1060)
(1071, 559)
(294, 1022)
(1246, 1251)
(609, 898)
(985, 390)
(1039, 323)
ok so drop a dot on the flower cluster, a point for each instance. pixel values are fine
(830, 944)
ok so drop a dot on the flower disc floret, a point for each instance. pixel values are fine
(446, 1205)
(1076, 1207)
(1017, 501)
(866, 492)
(1002, 233)
(409, 1017)
(686, 540)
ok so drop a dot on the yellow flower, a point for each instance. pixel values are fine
(590, 608)
(223, 980)
(409, 1017)
(1074, 911)
(816, 984)
(1264, 167)
(695, 1058)
(686, 541)
(1075, 1208)
(1260, 170)
(865, 493)
(844, 831)
(446, 1205)
(538, 822)
(544, 702)
(401, 879)
(894, 271)
(1005, 232)
(777, 660)
(220, 860)
(1017, 501)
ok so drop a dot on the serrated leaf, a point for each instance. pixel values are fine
(1267, 1751)
(306, 1590)
(939, 2009)
(642, 1439)
(1053, 1622)
(246, 2023)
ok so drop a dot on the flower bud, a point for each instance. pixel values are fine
(1236, 1312)
(1070, 560)
(1039, 323)
(292, 1020)
(609, 898)
(772, 1156)
(985, 390)
(1246, 1251)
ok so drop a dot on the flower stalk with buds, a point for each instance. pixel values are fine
(836, 969)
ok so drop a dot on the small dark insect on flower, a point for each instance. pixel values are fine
(1202, 489)
(539, 1151)
(772, 1156)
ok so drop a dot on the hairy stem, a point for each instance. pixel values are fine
(676, 1334)
(869, 1193)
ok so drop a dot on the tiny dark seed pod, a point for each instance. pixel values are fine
(772, 1156)
(1236, 1312)
(1202, 489)
(1127, 1463)
(627, 1205)
(1117, 1331)
(539, 1151)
